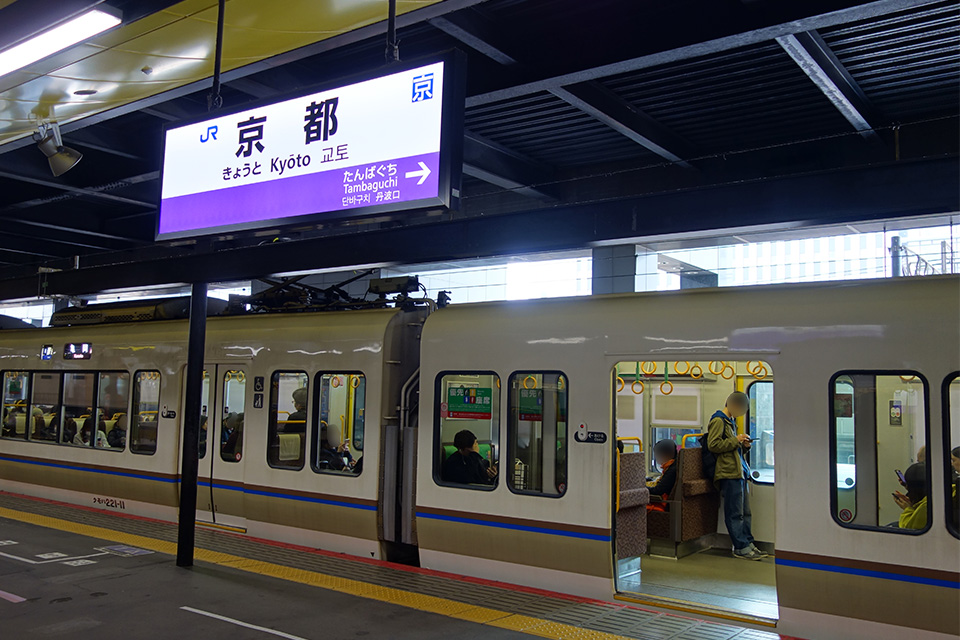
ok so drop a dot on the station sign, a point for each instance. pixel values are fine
(376, 145)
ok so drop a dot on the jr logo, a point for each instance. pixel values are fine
(211, 133)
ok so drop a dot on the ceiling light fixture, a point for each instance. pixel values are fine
(57, 38)
(61, 158)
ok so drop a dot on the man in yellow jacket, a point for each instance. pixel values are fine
(731, 474)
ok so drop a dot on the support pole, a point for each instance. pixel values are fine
(214, 99)
(393, 48)
(895, 257)
(191, 425)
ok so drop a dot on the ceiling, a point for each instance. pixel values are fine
(568, 104)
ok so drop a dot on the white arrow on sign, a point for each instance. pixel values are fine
(422, 173)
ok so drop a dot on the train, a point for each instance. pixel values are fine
(331, 429)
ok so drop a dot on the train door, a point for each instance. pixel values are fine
(685, 557)
(223, 409)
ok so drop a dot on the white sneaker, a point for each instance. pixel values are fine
(763, 554)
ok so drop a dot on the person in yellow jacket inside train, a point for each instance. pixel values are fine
(914, 502)
(731, 474)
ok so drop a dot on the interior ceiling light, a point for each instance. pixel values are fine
(61, 158)
(57, 38)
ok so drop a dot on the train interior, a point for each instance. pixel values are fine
(878, 435)
(687, 559)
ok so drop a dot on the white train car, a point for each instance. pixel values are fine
(333, 429)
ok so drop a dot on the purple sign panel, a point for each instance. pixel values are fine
(373, 146)
(381, 183)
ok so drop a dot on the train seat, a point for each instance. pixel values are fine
(693, 506)
(485, 451)
(632, 511)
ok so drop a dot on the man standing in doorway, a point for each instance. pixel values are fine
(731, 474)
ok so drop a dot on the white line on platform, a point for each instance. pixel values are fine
(63, 559)
(240, 623)
(10, 597)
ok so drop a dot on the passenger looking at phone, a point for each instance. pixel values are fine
(914, 502)
(466, 465)
(731, 474)
(665, 455)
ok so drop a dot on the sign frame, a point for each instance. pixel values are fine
(449, 171)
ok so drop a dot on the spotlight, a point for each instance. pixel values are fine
(61, 158)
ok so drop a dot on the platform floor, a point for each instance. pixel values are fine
(72, 572)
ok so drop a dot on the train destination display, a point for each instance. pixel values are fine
(368, 147)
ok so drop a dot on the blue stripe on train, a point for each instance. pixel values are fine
(287, 496)
(868, 573)
(516, 527)
(126, 474)
(107, 472)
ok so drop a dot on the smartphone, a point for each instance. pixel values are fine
(900, 477)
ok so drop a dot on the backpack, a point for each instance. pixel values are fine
(709, 458)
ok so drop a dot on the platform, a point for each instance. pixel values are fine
(68, 571)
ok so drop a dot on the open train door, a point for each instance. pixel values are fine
(224, 405)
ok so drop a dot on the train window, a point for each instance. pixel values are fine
(339, 402)
(951, 418)
(231, 425)
(144, 416)
(112, 393)
(16, 385)
(468, 430)
(537, 434)
(879, 477)
(77, 414)
(760, 428)
(204, 412)
(45, 397)
(287, 430)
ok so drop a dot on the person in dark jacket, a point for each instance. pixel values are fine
(466, 465)
(731, 474)
(665, 454)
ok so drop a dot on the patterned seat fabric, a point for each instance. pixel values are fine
(632, 516)
(696, 498)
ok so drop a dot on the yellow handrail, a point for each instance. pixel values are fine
(683, 440)
(631, 438)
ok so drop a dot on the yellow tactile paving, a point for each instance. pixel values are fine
(409, 599)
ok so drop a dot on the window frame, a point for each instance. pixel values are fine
(769, 483)
(133, 379)
(832, 458)
(510, 452)
(28, 406)
(438, 461)
(97, 409)
(273, 423)
(948, 501)
(314, 420)
(59, 373)
(222, 388)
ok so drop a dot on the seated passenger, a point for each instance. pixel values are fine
(955, 463)
(83, 437)
(297, 421)
(203, 436)
(334, 457)
(117, 438)
(232, 432)
(69, 431)
(466, 465)
(914, 503)
(665, 454)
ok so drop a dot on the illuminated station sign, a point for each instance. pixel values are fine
(379, 145)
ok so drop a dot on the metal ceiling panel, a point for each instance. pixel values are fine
(176, 44)
(907, 63)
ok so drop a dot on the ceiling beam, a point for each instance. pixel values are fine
(710, 47)
(253, 88)
(491, 162)
(14, 223)
(476, 35)
(837, 197)
(822, 66)
(92, 192)
(100, 140)
(599, 102)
